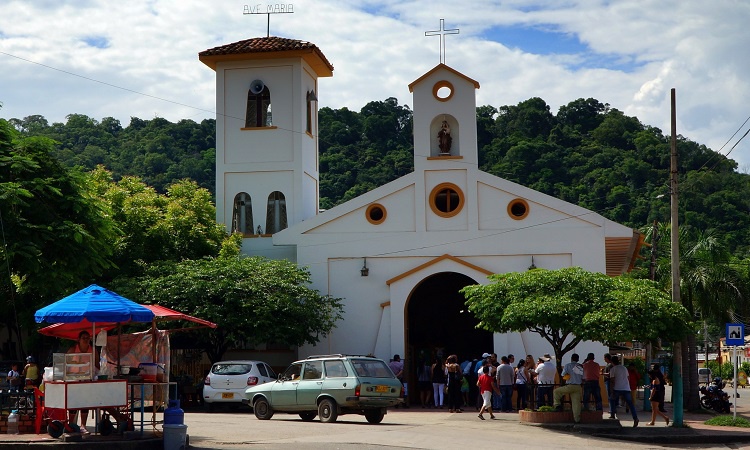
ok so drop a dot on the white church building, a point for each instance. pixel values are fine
(399, 254)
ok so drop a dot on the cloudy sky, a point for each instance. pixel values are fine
(140, 57)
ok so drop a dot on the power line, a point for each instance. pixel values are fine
(105, 83)
(293, 131)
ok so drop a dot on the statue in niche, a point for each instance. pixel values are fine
(444, 138)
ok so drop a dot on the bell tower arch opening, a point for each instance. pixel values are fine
(439, 323)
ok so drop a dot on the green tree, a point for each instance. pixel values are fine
(180, 224)
(711, 289)
(570, 305)
(57, 235)
(252, 300)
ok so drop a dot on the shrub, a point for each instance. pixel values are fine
(728, 421)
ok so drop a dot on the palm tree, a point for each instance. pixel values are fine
(711, 289)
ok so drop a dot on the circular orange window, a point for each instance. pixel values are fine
(518, 209)
(376, 214)
(442, 90)
(446, 200)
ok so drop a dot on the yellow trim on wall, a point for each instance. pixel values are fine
(372, 207)
(435, 261)
(441, 187)
(313, 58)
(443, 84)
(518, 201)
(444, 157)
(435, 69)
(272, 127)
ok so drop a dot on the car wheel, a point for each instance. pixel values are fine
(374, 415)
(307, 416)
(262, 409)
(208, 407)
(327, 411)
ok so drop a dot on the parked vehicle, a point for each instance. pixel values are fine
(227, 380)
(714, 397)
(704, 375)
(329, 386)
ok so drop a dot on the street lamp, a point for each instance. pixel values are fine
(677, 393)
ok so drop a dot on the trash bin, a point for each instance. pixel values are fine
(175, 436)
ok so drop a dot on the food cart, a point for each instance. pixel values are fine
(121, 357)
(74, 383)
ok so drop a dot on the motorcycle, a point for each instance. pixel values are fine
(714, 397)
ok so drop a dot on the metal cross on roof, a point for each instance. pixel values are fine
(442, 32)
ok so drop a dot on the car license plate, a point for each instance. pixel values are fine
(381, 388)
(227, 395)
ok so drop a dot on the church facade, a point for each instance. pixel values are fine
(399, 254)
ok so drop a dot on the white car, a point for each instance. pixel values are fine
(226, 382)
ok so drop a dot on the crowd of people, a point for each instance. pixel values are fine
(488, 384)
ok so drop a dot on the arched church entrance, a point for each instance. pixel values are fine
(439, 324)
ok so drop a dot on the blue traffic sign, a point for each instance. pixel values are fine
(735, 335)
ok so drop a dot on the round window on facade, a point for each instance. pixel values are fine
(443, 90)
(446, 200)
(518, 209)
(376, 214)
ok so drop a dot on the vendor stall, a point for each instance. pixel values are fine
(142, 359)
(77, 385)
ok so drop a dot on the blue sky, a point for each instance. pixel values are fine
(547, 40)
(628, 53)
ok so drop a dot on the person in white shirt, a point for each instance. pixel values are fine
(573, 373)
(618, 379)
(14, 378)
(545, 378)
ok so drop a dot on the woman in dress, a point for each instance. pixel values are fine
(438, 382)
(657, 393)
(454, 375)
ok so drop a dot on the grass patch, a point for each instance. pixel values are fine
(728, 421)
(545, 408)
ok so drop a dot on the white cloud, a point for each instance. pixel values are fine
(632, 53)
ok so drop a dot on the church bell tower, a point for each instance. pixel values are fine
(266, 134)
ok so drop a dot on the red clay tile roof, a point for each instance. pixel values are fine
(265, 45)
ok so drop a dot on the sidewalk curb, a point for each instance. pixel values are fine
(690, 438)
(143, 444)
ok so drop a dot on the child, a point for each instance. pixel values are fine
(486, 386)
(465, 390)
(14, 378)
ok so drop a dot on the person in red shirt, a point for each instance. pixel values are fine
(486, 386)
(591, 375)
(635, 379)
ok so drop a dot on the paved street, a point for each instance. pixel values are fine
(418, 428)
(401, 429)
(430, 429)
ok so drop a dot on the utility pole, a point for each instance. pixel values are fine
(649, 348)
(705, 347)
(677, 393)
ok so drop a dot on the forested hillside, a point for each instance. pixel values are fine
(158, 151)
(586, 153)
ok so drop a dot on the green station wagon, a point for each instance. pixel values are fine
(329, 386)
